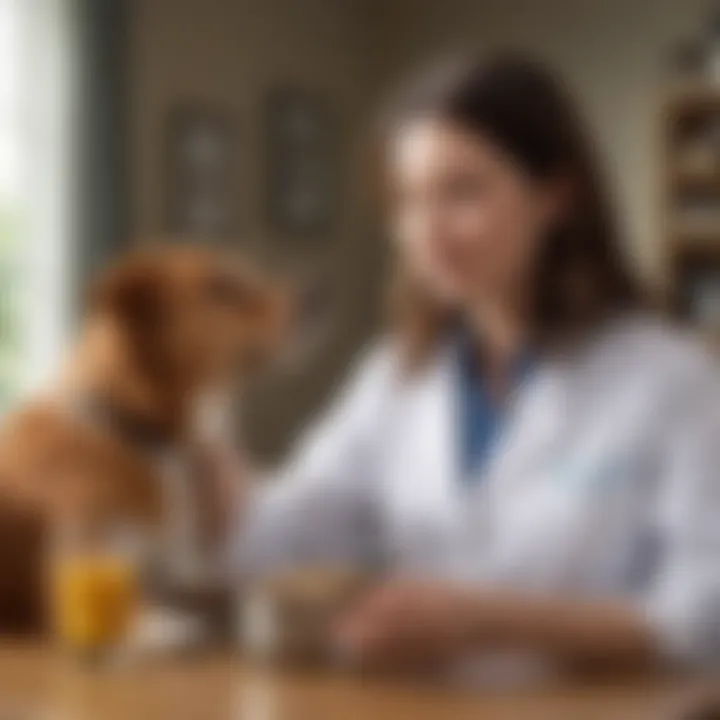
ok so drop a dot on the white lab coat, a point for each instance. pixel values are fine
(605, 483)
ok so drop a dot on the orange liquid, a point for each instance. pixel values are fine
(94, 600)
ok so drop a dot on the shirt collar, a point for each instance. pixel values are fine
(470, 367)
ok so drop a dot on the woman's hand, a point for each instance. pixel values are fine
(408, 623)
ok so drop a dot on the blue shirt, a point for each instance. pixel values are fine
(482, 416)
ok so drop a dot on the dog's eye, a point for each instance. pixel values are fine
(229, 290)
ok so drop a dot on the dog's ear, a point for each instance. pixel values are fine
(132, 292)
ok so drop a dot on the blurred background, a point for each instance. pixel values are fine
(249, 123)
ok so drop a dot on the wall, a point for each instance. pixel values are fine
(612, 53)
(228, 53)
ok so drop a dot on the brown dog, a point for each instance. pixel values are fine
(166, 330)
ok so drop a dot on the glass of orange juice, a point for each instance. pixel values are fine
(94, 593)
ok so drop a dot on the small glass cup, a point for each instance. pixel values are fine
(94, 592)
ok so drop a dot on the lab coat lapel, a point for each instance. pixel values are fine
(537, 428)
(433, 444)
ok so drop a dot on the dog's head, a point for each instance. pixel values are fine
(193, 317)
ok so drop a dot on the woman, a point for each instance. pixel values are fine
(532, 458)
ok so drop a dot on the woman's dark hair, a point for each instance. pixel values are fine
(581, 277)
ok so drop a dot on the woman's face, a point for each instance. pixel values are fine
(467, 219)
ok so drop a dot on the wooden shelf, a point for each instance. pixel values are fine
(698, 240)
(692, 99)
(693, 181)
(691, 204)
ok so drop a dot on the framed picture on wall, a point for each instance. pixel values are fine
(699, 290)
(302, 175)
(201, 173)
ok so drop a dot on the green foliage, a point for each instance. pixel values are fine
(10, 311)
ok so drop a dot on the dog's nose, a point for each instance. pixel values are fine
(313, 301)
(312, 311)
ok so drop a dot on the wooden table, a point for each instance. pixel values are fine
(38, 683)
